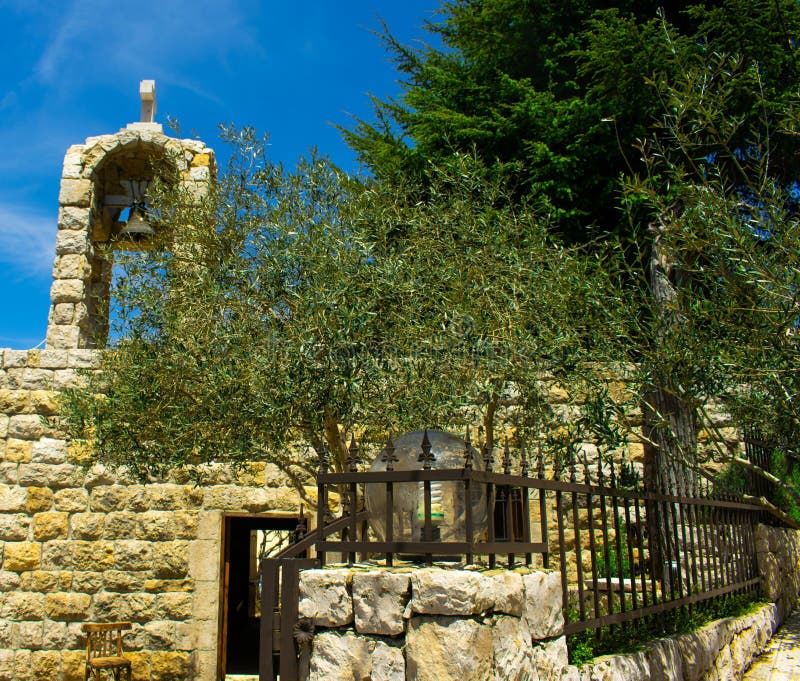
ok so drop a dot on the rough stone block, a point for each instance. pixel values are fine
(73, 218)
(118, 581)
(8, 472)
(155, 526)
(119, 525)
(543, 604)
(75, 192)
(185, 524)
(379, 600)
(55, 476)
(41, 581)
(324, 597)
(71, 266)
(174, 606)
(160, 586)
(388, 663)
(26, 427)
(13, 499)
(551, 658)
(99, 475)
(133, 607)
(22, 666)
(43, 402)
(73, 664)
(169, 666)
(66, 378)
(7, 664)
(50, 525)
(7, 639)
(15, 359)
(92, 555)
(67, 291)
(9, 581)
(53, 359)
(21, 556)
(70, 500)
(512, 649)
(70, 241)
(133, 555)
(171, 559)
(56, 555)
(111, 498)
(13, 402)
(448, 592)
(62, 336)
(87, 525)
(85, 359)
(36, 379)
(18, 451)
(45, 665)
(39, 499)
(507, 592)
(340, 658)
(49, 450)
(87, 582)
(431, 645)
(224, 497)
(31, 634)
(67, 607)
(22, 605)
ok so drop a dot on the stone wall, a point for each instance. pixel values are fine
(82, 544)
(723, 649)
(432, 624)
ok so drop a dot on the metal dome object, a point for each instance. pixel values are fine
(411, 452)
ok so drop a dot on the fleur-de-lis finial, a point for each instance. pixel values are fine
(352, 459)
(389, 457)
(425, 455)
(506, 458)
(322, 459)
(488, 456)
(467, 451)
(302, 527)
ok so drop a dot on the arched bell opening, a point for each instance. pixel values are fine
(121, 220)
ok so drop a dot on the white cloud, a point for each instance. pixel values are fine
(27, 241)
(152, 38)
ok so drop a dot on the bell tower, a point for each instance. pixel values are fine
(102, 202)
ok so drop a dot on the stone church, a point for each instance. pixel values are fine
(88, 545)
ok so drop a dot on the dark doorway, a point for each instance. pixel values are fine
(246, 539)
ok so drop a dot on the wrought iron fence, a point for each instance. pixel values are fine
(624, 553)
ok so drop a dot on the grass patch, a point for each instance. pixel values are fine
(587, 645)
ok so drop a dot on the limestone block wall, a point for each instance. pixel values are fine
(778, 553)
(432, 624)
(92, 545)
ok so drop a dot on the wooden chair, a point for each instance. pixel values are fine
(104, 651)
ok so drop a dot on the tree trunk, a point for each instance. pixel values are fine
(670, 420)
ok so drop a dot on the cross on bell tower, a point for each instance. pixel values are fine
(103, 188)
(147, 92)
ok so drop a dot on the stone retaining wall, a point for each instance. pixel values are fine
(81, 544)
(723, 649)
(432, 624)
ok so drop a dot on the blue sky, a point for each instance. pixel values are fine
(71, 69)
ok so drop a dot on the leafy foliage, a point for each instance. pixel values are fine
(285, 310)
(560, 91)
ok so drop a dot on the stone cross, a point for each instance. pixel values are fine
(147, 91)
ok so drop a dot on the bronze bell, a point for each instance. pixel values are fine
(137, 228)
